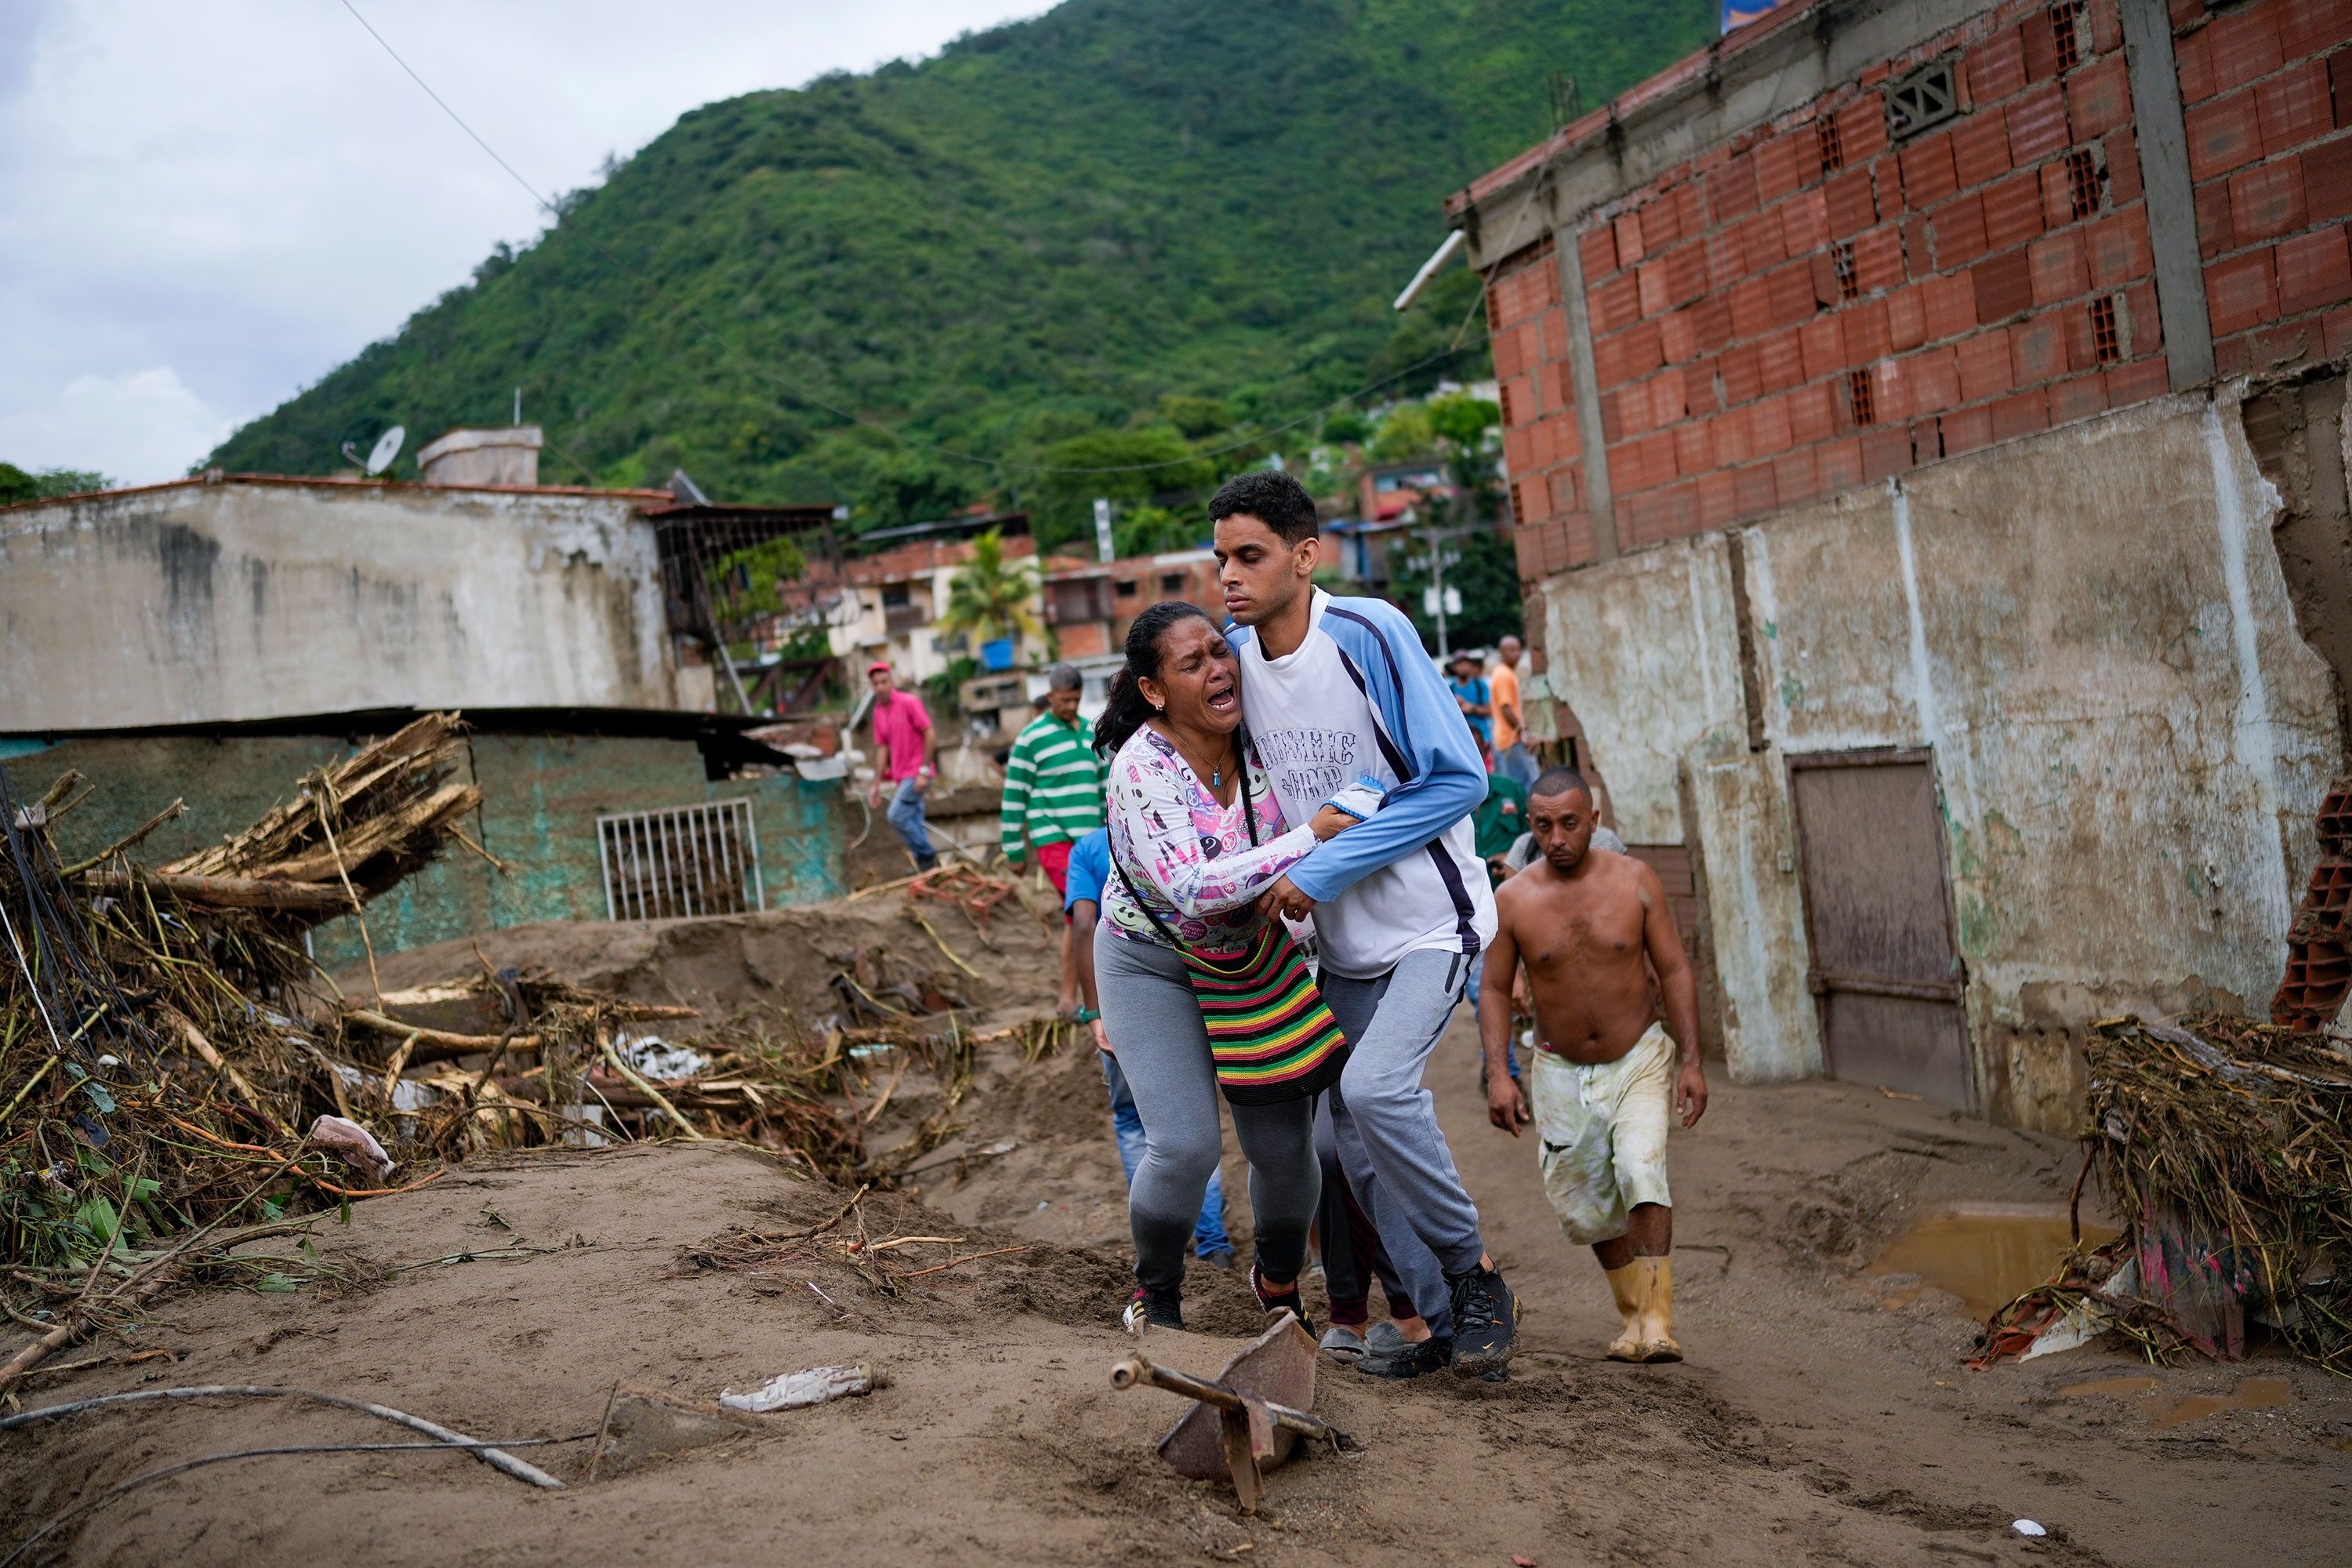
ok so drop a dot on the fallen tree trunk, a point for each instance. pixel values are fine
(226, 892)
(436, 1045)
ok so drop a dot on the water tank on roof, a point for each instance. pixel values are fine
(506, 454)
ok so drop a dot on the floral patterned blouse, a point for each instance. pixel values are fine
(1190, 857)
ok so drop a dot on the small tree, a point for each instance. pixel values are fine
(1149, 530)
(1405, 435)
(992, 597)
(17, 485)
(1465, 425)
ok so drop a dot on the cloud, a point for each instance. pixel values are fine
(136, 428)
(204, 209)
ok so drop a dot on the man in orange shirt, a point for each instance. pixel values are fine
(1512, 758)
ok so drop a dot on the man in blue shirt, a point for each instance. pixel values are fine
(1476, 697)
(1081, 909)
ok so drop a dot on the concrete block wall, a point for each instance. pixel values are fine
(2267, 89)
(1811, 307)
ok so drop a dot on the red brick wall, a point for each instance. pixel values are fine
(2267, 87)
(1807, 308)
(1541, 448)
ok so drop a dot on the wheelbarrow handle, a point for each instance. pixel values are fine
(1125, 1373)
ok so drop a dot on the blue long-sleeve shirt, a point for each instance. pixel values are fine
(1359, 698)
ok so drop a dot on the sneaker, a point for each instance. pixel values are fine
(1342, 1343)
(1384, 1339)
(1222, 1258)
(1416, 1357)
(1288, 1300)
(1157, 1309)
(1485, 1322)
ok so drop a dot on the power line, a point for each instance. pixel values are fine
(802, 393)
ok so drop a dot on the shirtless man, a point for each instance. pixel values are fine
(1584, 918)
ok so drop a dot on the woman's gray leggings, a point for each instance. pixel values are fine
(1162, 1046)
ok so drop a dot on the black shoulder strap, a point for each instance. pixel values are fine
(1130, 882)
(1249, 813)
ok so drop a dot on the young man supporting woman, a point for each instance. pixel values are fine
(1338, 690)
(1196, 837)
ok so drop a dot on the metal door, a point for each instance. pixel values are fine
(1878, 913)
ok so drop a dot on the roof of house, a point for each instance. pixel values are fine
(1013, 522)
(914, 560)
(336, 482)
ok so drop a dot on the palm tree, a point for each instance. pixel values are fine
(992, 597)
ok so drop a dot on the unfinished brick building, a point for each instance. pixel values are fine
(1925, 433)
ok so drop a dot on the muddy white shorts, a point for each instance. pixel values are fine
(1603, 1132)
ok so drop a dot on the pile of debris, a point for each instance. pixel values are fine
(2226, 1144)
(165, 1093)
(177, 1076)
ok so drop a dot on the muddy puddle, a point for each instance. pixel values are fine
(1985, 1254)
(2252, 1393)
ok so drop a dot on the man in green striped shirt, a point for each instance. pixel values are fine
(1053, 796)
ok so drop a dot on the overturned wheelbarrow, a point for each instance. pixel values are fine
(1249, 1419)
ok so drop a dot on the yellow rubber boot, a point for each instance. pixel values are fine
(1625, 1284)
(1657, 1321)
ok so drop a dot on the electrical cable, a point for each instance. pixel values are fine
(162, 1472)
(490, 1454)
(802, 393)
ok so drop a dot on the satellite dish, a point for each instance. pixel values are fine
(387, 447)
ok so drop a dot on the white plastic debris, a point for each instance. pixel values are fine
(408, 1094)
(658, 1058)
(817, 1385)
(817, 769)
(2026, 1527)
(354, 1142)
(580, 1124)
(2077, 1326)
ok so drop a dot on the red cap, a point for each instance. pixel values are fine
(881, 664)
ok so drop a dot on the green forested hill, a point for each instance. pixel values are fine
(1055, 241)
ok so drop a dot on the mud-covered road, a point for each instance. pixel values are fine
(1824, 1415)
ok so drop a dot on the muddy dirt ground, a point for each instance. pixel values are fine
(1824, 1415)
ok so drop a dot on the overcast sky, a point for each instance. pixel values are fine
(205, 208)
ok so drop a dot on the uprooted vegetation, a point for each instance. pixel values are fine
(2226, 1146)
(160, 1041)
(178, 1079)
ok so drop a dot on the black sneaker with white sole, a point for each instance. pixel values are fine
(1162, 1309)
(1485, 1322)
(1416, 1357)
(1271, 1301)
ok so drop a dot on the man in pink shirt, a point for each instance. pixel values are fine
(906, 750)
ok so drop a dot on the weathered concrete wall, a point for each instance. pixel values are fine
(541, 797)
(208, 603)
(1647, 652)
(1659, 640)
(2092, 631)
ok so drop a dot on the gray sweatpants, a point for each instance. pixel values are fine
(1386, 1123)
(1155, 1031)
